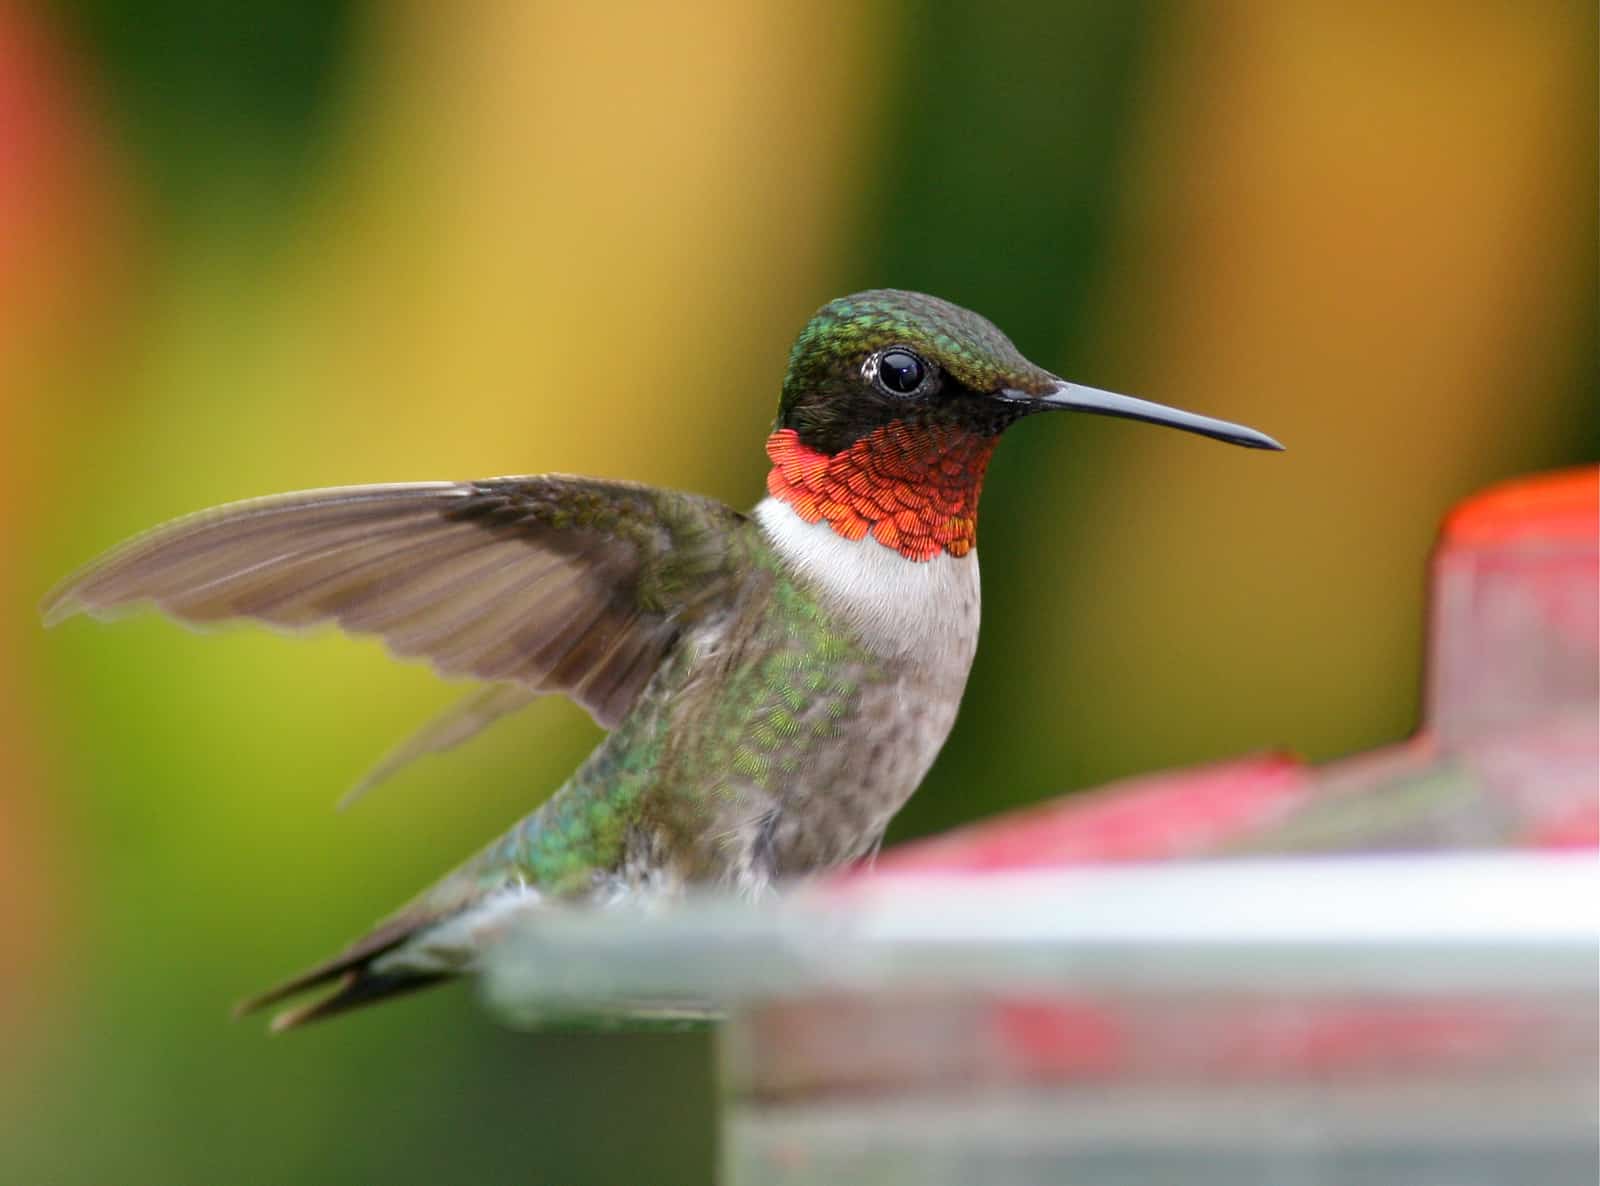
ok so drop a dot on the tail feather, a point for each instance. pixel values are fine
(358, 984)
(356, 988)
(446, 925)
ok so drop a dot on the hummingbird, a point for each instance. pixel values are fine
(775, 683)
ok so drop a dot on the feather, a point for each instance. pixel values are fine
(541, 582)
(459, 723)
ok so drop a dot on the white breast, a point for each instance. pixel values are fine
(899, 607)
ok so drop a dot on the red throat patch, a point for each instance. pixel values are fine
(914, 488)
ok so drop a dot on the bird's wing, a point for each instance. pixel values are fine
(459, 723)
(552, 583)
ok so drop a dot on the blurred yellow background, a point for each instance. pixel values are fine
(252, 249)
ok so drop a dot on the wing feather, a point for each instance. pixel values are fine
(550, 583)
(459, 723)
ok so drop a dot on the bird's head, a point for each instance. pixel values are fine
(868, 360)
(891, 408)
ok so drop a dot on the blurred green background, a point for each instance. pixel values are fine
(251, 248)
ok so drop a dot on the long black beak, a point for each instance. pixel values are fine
(1071, 397)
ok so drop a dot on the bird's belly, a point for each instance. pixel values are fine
(802, 775)
(835, 806)
(831, 738)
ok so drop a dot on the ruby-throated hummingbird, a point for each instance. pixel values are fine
(776, 683)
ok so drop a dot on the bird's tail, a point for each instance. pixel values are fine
(356, 981)
(355, 989)
(435, 937)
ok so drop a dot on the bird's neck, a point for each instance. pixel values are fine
(911, 487)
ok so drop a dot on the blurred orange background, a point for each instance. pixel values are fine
(323, 243)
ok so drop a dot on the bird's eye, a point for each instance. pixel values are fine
(901, 371)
